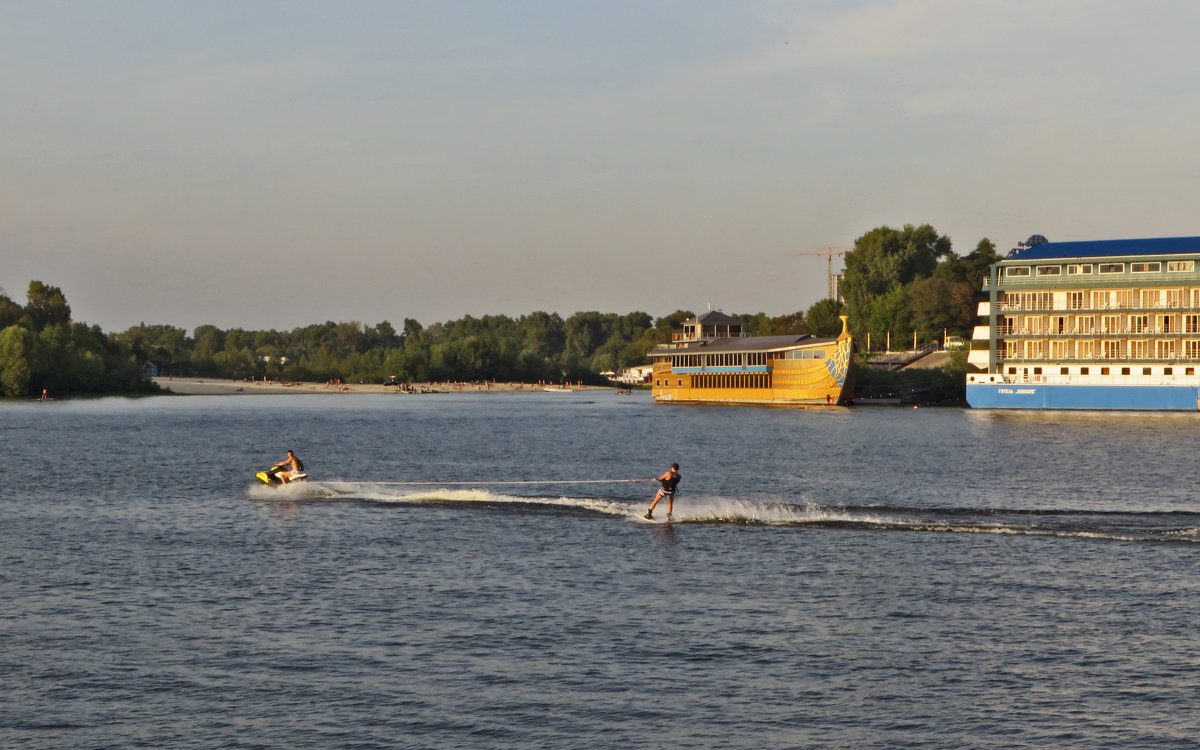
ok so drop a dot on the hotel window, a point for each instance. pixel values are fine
(1164, 349)
(1138, 350)
(1076, 300)
(1086, 324)
(1016, 271)
(1151, 298)
(1100, 300)
(1151, 267)
(1112, 268)
(1126, 298)
(1112, 350)
(1058, 324)
(1168, 324)
(1191, 323)
(1078, 269)
(1084, 350)
(1060, 349)
(1174, 297)
(1110, 324)
(1176, 266)
(1049, 270)
(1138, 323)
(1191, 350)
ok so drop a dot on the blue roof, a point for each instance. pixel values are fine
(1110, 248)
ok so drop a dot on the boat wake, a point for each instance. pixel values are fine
(1179, 526)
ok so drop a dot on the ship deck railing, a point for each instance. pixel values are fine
(1124, 380)
(1050, 307)
(1122, 331)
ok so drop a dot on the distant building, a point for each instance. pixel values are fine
(635, 375)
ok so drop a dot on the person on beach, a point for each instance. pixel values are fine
(297, 467)
(670, 479)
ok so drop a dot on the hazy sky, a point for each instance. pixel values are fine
(276, 164)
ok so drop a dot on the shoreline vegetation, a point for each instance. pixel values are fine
(226, 387)
(908, 282)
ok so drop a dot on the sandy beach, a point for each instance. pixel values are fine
(218, 387)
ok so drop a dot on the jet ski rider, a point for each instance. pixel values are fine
(285, 475)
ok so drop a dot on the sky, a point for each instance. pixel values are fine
(273, 164)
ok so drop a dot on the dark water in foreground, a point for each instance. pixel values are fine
(837, 578)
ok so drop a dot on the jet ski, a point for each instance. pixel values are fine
(271, 477)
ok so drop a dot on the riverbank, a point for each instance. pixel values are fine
(219, 387)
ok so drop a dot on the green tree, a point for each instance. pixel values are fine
(16, 345)
(883, 262)
(47, 305)
(10, 312)
(822, 318)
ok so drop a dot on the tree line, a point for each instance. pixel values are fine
(43, 350)
(895, 280)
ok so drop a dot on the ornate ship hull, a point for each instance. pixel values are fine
(776, 370)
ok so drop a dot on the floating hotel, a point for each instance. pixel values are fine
(711, 361)
(1112, 324)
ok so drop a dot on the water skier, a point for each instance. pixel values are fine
(669, 478)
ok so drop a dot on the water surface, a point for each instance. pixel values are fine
(458, 575)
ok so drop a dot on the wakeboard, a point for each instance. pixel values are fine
(656, 519)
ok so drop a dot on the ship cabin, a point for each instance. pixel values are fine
(713, 324)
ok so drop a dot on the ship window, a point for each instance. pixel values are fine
(1189, 371)
(1174, 266)
(1145, 370)
(1103, 370)
(1124, 370)
(1112, 268)
(1049, 270)
(1153, 267)
(1084, 370)
(1168, 371)
(1062, 371)
(1016, 271)
(1077, 269)
(1037, 371)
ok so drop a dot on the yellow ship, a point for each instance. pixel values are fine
(711, 361)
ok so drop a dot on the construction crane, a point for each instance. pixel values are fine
(828, 251)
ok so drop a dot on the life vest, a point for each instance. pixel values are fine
(669, 483)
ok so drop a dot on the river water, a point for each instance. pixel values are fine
(464, 571)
